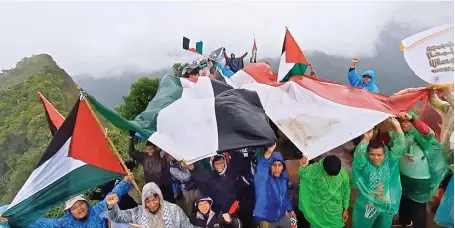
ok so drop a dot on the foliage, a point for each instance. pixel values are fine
(24, 133)
(141, 93)
(25, 68)
(178, 68)
(57, 212)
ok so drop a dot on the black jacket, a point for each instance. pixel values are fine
(214, 220)
(221, 188)
(156, 168)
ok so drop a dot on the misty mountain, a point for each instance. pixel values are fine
(110, 90)
(392, 71)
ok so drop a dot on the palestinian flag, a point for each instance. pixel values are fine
(186, 46)
(254, 52)
(53, 117)
(292, 61)
(193, 119)
(318, 115)
(78, 158)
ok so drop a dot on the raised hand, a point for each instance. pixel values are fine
(304, 161)
(396, 125)
(112, 199)
(227, 217)
(269, 151)
(129, 178)
(184, 165)
(404, 116)
(355, 60)
(367, 136)
(3, 220)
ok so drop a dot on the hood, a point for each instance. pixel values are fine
(202, 198)
(151, 189)
(154, 220)
(225, 163)
(372, 75)
(276, 156)
(69, 216)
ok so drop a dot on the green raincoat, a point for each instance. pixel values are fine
(368, 177)
(421, 178)
(322, 198)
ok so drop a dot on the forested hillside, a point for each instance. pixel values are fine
(24, 133)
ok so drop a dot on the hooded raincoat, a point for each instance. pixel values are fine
(272, 200)
(371, 203)
(221, 187)
(421, 177)
(168, 216)
(235, 64)
(355, 80)
(323, 198)
(94, 212)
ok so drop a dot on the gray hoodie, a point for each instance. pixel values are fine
(168, 216)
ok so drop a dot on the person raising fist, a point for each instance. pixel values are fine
(366, 81)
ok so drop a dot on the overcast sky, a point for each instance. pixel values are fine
(102, 38)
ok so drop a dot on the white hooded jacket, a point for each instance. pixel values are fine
(168, 216)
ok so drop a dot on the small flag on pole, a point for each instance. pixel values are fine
(254, 52)
(186, 46)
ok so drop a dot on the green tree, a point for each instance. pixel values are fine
(24, 133)
(178, 68)
(140, 95)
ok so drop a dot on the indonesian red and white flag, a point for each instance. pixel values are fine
(319, 115)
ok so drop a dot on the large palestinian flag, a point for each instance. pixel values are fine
(53, 117)
(319, 115)
(192, 119)
(78, 158)
(293, 61)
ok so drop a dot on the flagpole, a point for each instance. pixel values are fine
(114, 149)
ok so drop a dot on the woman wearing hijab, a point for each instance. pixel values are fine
(154, 212)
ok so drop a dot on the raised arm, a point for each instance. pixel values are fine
(124, 216)
(436, 103)
(263, 166)
(449, 95)
(132, 152)
(399, 142)
(179, 174)
(225, 55)
(305, 170)
(353, 77)
(360, 153)
(244, 55)
(120, 190)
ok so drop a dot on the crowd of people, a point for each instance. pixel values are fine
(398, 166)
